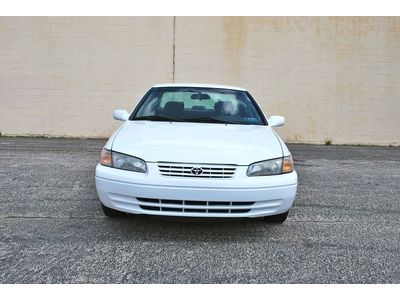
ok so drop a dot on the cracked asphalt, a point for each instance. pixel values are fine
(344, 227)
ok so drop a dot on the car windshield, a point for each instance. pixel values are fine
(202, 105)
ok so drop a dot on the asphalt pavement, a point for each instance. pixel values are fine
(344, 227)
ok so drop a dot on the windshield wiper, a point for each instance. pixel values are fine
(156, 118)
(208, 120)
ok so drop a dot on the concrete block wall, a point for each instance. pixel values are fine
(334, 78)
(64, 76)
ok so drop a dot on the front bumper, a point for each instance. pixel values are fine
(155, 194)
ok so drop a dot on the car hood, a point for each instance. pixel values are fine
(197, 142)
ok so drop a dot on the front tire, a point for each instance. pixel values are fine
(277, 219)
(112, 213)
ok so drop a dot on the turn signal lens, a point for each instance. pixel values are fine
(287, 164)
(106, 158)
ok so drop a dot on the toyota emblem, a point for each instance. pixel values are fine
(196, 171)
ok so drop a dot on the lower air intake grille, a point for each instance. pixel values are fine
(195, 206)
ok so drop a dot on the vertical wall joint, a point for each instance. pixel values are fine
(173, 49)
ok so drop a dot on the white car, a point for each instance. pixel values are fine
(195, 150)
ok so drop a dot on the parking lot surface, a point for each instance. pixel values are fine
(344, 227)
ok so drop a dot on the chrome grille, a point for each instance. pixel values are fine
(195, 206)
(193, 170)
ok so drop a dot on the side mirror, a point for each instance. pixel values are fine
(276, 121)
(120, 115)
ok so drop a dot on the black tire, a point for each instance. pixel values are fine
(112, 213)
(277, 219)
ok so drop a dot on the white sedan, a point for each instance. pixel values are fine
(194, 150)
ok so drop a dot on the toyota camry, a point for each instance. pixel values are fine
(195, 150)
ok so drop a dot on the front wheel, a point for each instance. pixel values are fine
(112, 213)
(277, 219)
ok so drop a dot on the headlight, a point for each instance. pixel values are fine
(122, 161)
(271, 167)
(130, 163)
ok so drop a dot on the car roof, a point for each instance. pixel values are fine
(203, 85)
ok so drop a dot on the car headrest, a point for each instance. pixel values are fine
(224, 108)
(173, 108)
(242, 110)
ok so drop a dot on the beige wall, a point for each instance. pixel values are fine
(333, 79)
(64, 76)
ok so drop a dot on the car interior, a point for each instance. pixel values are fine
(221, 108)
